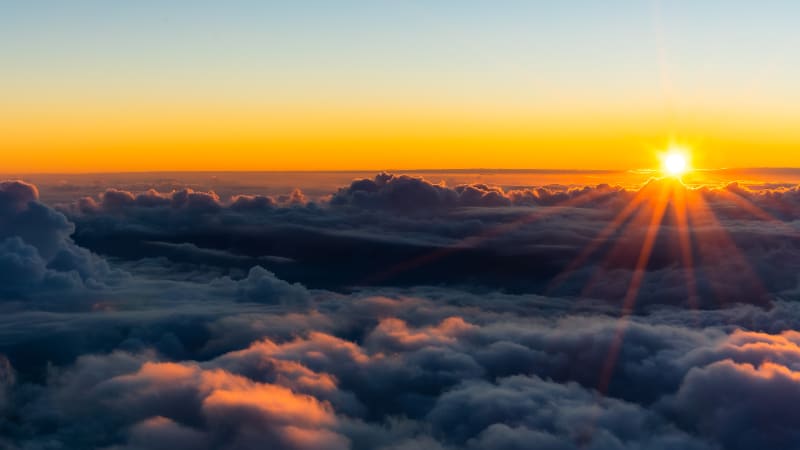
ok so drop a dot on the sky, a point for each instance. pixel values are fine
(92, 86)
(435, 225)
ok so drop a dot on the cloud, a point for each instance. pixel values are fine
(395, 334)
(487, 378)
(741, 405)
(744, 395)
(261, 285)
(36, 252)
(23, 271)
(162, 433)
(397, 230)
(516, 410)
(185, 404)
(409, 194)
(36, 224)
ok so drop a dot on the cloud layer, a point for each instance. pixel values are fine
(398, 313)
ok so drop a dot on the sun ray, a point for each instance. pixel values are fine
(757, 212)
(711, 246)
(617, 253)
(629, 300)
(601, 238)
(471, 241)
(679, 208)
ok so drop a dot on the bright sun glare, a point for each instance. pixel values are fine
(675, 162)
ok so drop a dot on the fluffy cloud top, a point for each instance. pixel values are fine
(36, 251)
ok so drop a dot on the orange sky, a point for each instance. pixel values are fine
(174, 137)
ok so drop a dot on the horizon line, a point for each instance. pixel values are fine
(442, 170)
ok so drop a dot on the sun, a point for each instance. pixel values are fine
(675, 161)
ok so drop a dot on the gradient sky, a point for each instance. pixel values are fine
(259, 85)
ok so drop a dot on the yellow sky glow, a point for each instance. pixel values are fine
(98, 138)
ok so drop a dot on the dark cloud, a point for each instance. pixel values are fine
(410, 194)
(261, 286)
(484, 380)
(37, 254)
(528, 412)
(405, 231)
(744, 395)
(488, 378)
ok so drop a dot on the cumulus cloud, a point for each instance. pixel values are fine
(262, 286)
(183, 404)
(528, 412)
(741, 405)
(409, 194)
(504, 372)
(397, 230)
(744, 394)
(34, 223)
(453, 386)
(37, 253)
